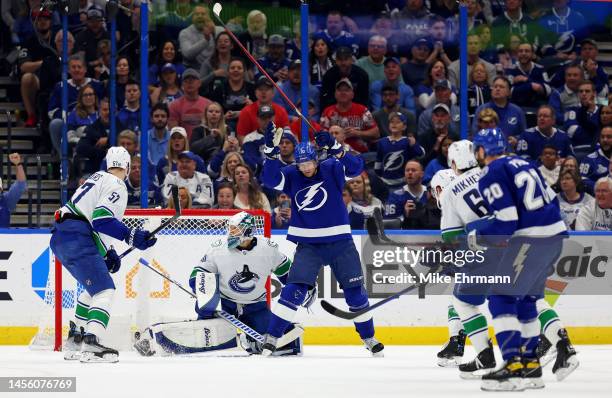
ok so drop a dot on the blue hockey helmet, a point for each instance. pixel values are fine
(305, 152)
(492, 140)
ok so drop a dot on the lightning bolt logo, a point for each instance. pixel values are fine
(309, 197)
(394, 161)
(518, 264)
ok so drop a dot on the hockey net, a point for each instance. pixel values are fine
(142, 297)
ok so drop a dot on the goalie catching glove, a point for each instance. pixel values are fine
(326, 141)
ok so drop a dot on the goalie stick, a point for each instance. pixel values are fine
(287, 338)
(177, 214)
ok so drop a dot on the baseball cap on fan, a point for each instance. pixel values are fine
(178, 130)
(189, 155)
(94, 12)
(41, 14)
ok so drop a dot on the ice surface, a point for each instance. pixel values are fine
(323, 371)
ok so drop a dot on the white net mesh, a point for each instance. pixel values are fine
(141, 297)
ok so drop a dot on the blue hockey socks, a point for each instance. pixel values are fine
(292, 296)
(357, 299)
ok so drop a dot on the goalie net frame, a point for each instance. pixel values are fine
(223, 214)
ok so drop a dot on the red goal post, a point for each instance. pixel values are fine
(142, 297)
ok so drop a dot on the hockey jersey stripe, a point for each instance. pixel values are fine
(319, 232)
(102, 213)
(507, 214)
(543, 231)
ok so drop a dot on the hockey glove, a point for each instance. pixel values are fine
(112, 260)
(326, 141)
(311, 297)
(272, 139)
(140, 239)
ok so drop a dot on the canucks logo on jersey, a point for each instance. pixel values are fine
(311, 198)
(243, 282)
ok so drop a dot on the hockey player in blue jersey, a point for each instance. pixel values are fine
(319, 225)
(527, 219)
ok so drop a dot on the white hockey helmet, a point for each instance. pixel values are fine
(240, 227)
(439, 182)
(462, 153)
(118, 156)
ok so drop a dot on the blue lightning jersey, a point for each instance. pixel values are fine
(271, 66)
(392, 156)
(594, 166)
(532, 142)
(394, 207)
(318, 213)
(519, 199)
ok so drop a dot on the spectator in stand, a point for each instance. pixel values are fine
(473, 50)
(395, 150)
(184, 199)
(572, 197)
(158, 135)
(264, 92)
(274, 62)
(403, 200)
(443, 49)
(248, 193)
(320, 61)
(442, 95)
(30, 60)
(372, 64)
(335, 35)
(87, 40)
(488, 51)
(253, 143)
(383, 26)
(313, 117)
(486, 119)
(50, 71)
(415, 70)
(292, 88)
(9, 199)
(596, 164)
(345, 69)
(197, 41)
(528, 79)
(84, 114)
(414, 20)
(168, 54)
(225, 196)
(583, 122)
(393, 77)
(592, 70)
(532, 141)
(598, 215)
(129, 113)
(431, 140)
(287, 147)
(255, 37)
(511, 117)
(566, 96)
(391, 103)
(424, 216)
(133, 183)
(282, 213)
(176, 16)
(479, 91)
(514, 22)
(129, 140)
(605, 116)
(358, 123)
(169, 86)
(425, 92)
(187, 111)
(561, 21)
(233, 92)
(224, 170)
(218, 64)
(122, 70)
(569, 163)
(100, 69)
(199, 184)
(207, 139)
(178, 144)
(92, 147)
(438, 159)
(476, 19)
(362, 199)
(549, 164)
(356, 220)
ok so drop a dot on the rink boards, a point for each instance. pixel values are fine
(581, 293)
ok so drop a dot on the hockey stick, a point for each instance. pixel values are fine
(217, 7)
(287, 338)
(177, 213)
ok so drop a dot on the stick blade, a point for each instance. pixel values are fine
(338, 312)
(217, 7)
(175, 198)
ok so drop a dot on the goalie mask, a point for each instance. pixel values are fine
(240, 228)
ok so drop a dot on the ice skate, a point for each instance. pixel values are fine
(532, 374)
(452, 352)
(545, 351)
(508, 378)
(566, 361)
(93, 351)
(479, 366)
(72, 346)
(374, 346)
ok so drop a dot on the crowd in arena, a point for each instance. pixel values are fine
(384, 80)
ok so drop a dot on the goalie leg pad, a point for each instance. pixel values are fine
(194, 336)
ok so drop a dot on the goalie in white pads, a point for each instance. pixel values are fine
(81, 239)
(234, 272)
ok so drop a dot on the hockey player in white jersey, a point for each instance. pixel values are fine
(233, 271)
(81, 237)
(462, 204)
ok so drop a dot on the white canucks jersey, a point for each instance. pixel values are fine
(243, 273)
(461, 203)
(102, 195)
(200, 187)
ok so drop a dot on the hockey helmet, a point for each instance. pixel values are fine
(305, 152)
(240, 227)
(440, 181)
(118, 156)
(492, 140)
(462, 153)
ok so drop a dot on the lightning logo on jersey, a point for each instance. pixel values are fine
(314, 197)
(394, 161)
